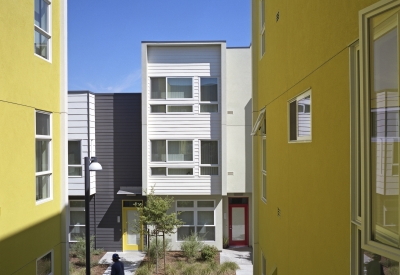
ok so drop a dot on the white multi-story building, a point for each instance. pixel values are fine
(196, 124)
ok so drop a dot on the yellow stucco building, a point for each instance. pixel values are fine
(326, 136)
(33, 123)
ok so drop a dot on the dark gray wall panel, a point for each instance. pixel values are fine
(118, 149)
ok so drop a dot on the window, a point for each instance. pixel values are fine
(209, 94)
(199, 217)
(171, 108)
(42, 28)
(300, 117)
(44, 265)
(43, 156)
(162, 171)
(74, 158)
(262, 27)
(209, 157)
(162, 87)
(264, 169)
(76, 219)
(178, 150)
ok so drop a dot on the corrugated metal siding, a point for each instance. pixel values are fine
(194, 62)
(118, 146)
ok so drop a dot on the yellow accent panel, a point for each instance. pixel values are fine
(27, 83)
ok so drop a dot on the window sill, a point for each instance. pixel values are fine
(38, 202)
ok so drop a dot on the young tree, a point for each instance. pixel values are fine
(154, 215)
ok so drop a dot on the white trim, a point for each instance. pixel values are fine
(76, 209)
(47, 34)
(296, 99)
(48, 172)
(196, 209)
(210, 165)
(52, 261)
(258, 121)
(80, 157)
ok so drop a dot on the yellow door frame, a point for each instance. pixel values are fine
(125, 209)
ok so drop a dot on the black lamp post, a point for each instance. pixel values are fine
(91, 164)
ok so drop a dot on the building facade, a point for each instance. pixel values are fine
(107, 126)
(326, 133)
(195, 146)
(33, 119)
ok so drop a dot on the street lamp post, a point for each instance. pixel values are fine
(91, 164)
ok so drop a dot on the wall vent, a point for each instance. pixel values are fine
(230, 112)
(230, 173)
(279, 212)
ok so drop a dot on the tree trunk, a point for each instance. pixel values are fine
(148, 249)
(163, 239)
(156, 252)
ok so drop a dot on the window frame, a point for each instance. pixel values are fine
(47, 34)
(262, 28)
(76, 209)
(209, 165)
(166, 89)
(367, 242)
(166, 151)
(48, 172)
(195, 210)
(51, 252)
(167, 172)
(263, 172)
(81, 158)
(302, 95)
(170, 105)
(204, 103)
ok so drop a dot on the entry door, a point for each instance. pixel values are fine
(238, 224)
(130, 239)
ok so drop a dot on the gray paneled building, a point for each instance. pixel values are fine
(117, 136)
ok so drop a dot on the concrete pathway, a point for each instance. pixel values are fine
(131, 261)
(242, 255)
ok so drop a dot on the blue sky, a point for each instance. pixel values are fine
(104, 36)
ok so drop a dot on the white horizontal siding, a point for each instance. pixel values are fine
(78, 130)
(184, 61)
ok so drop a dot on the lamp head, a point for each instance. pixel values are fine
(94, 165)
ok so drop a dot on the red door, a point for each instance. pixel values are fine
(238, 224)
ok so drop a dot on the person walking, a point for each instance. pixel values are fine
(118, 267)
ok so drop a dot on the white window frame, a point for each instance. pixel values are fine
(52, 261)
(169, 105)
(202, 103)
(195, 209)
(50, 171)
(166, 89)
(80, 209)
(173, 167)
(209, 165)
(47, 34)
(263, 172)
(77, 165)
(262, 28)
(166, 151)
(296, 99)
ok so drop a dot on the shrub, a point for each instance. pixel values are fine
(78, 249)
(144, 270)
(158, 250)
(190, 246)
(208, 252)
(171, 270)
(226, 267)
(190, 270)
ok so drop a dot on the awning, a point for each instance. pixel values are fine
(130, 190)
(258, 121)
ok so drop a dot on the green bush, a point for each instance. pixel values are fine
(191, 246)
(208, 252)
(158, 250)
(144, 270)
(78, 249)
(225, 267)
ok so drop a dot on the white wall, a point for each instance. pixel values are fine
(78, 130)
(238, 119)
(181, 61)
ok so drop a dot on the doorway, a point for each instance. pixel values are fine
(238, 221)
(131, 240)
